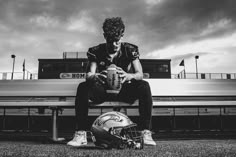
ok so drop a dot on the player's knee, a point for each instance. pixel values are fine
(144, 85)
(82, 88)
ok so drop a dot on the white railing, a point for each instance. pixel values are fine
(18, 76)
(183, 75)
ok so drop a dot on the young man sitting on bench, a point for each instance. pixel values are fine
(125, 56)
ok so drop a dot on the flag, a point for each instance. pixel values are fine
(181, 63)
(23, 65)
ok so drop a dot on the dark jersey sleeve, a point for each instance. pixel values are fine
(91, 54)
(132, 51)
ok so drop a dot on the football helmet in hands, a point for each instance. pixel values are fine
(116, 130)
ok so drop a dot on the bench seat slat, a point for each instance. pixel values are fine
(159, 87)
(122, 104)
(194, 103)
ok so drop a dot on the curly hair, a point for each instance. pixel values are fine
(113, 28)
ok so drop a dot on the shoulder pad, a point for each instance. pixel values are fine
(131, 51)
(130, 46)
(94, 51)
(94, 48)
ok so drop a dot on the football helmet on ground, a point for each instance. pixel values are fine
(116, 130)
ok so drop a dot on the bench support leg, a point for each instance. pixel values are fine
(28, 119)
(4, 119)
(174, 121)
(198, 119)
(221, 119)
(54, 126)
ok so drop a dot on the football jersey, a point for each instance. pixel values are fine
(128, 52)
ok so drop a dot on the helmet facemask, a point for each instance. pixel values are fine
(122, 138)
(131, 137)
(115, 130)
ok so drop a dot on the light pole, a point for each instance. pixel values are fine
(196, 58)
(13, 56)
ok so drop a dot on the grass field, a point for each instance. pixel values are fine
(164, 148)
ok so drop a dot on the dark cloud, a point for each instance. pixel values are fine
(172, 20)
(26, 25)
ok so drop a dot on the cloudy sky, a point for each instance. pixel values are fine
(163, 29)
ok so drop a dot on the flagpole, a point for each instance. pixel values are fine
(24, 70)
(182, 64)
(184, 72)
(23, 75)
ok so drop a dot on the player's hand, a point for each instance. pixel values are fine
(126, 77)
(102, 76)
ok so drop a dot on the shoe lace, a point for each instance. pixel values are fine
(147, 134)
(78, 135)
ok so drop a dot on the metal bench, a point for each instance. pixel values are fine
(166, 93)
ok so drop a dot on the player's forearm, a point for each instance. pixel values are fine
(90, 76)
(136, 76)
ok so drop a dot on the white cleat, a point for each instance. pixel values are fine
(147, 138)
(80, 139)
